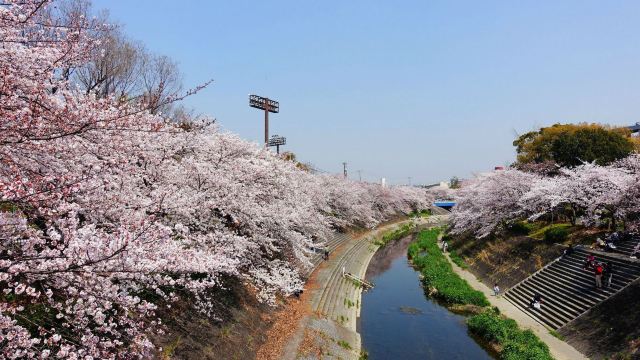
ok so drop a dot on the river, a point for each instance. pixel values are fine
(398, 321)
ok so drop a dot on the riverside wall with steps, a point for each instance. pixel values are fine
(568, 289)
(336, 301)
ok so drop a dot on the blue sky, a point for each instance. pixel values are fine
(398, 89)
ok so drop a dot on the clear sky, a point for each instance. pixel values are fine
(421, 89)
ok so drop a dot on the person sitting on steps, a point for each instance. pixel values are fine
(536, 301)
(568, 251)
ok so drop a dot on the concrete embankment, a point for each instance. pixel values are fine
(330, 331)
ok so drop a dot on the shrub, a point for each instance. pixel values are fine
(422, 213)
(491, 327)
(438, 273)
(457, 259)
(516, 344)
(520, 228)
(394, 235)
(556, 234)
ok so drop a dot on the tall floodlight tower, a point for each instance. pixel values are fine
(269, 106)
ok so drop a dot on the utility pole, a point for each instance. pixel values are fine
(409, 180)
(268, 106)
(360, 175)
(344, 165)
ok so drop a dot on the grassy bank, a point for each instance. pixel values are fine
(438, 274)
(443, 283)
(422, 213)
(512, 342)
(396, 234)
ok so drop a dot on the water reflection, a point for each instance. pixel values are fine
(397, 320)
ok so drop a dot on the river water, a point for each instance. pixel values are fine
(398, 321)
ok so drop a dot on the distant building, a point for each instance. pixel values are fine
(635, 129)
(383, 182)
(498, 168)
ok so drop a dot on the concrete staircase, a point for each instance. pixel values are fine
(339, 298)
(567, 289)
(626, 247)
(335, 240)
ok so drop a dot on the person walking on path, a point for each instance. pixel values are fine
(445, 246)
(598, 269)
(496, 290)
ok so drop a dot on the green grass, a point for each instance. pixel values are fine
(345, 345)
(348, 303)
(425, 213)
(516, 344)
(556, 334)
(438, 273)
(521, 228)
(540, 233)
(394, 235)
(457, 259)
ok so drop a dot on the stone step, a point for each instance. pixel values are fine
(549, 304)
(617, 260)
(619, 271)
(344, 283)
(522, 301)
(580, 274)
(568, 289)
(336, 276)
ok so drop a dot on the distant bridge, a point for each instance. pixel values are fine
(445, 204)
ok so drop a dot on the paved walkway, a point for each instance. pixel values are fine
(559, 349)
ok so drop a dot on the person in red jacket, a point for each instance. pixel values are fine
(598, 269)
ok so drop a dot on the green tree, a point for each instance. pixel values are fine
(573, 144)
(454, 183)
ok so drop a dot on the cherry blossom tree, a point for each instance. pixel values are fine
(490, 200)
(107, 210)
(589, 191)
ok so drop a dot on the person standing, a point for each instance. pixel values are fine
(608, 274)
(589, 262)
(496, 289)
(635, 251)
(598, 269)
(445, 245)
